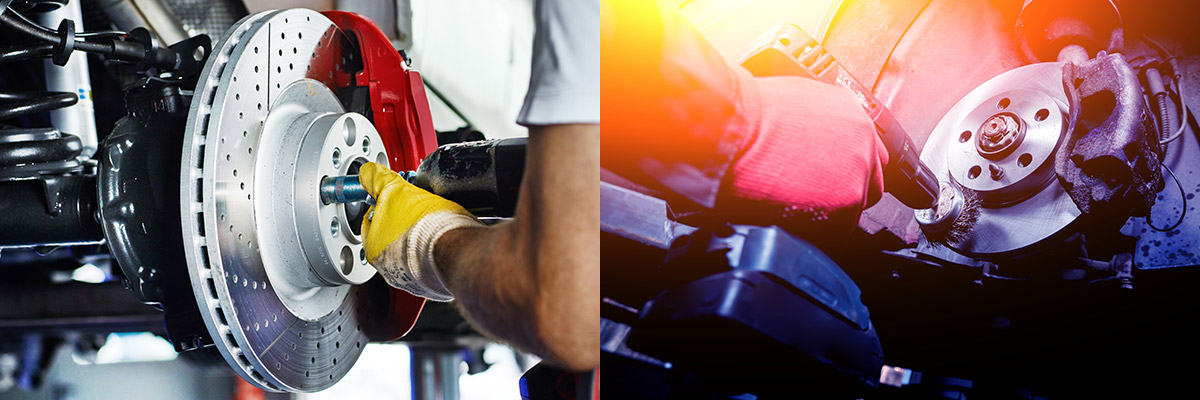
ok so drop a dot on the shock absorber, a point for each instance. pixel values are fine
(136, 47)
(28, 152)
(72, 78)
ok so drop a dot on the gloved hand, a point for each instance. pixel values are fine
(787, 151)
(814, 161)
(400, 231)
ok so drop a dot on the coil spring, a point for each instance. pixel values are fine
(17, 146)
(17, 104)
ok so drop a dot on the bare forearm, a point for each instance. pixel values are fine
(534, 281)
(492, 285)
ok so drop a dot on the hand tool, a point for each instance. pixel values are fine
(482, 176)
(947, 211)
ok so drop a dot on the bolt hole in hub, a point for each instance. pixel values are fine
(357, 210)
(347, 260)
(348, 132)
(1024, 160)
(1041, 115)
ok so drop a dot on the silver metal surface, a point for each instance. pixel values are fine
(336, 145)
(435, 372)
(1025, 206)
(941, 217)
(1029, 166)
(279, 326)
(639, 217)
(150, 14)
(344, 189)
(209, 17)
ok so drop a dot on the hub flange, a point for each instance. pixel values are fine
(999, 140)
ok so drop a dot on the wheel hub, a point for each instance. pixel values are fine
(1000, 134)
(999, 141)
(307, 137)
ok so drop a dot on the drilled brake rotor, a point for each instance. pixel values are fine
(999, 141)
(275, 271)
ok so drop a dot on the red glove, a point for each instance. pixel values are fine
(783, 151)
(813, 157)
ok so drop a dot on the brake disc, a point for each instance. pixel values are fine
(274, 270)
(999, 141)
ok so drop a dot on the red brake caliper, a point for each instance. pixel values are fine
(400, 113)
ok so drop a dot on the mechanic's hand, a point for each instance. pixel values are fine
(815, 161)
(400, 231)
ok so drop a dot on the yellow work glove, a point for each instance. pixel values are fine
(400, 231)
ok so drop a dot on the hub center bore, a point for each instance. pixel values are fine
(999, 135)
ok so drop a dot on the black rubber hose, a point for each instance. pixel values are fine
(33, 30)
(13, 105)
(11, 20)
(114, 48)
(25, 52)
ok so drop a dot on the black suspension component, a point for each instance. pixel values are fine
(51, 210)
(18, 53)
(27, 153)
(135, 46)
(28, 150)
(16, 104)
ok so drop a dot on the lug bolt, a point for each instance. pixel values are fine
(996, 171)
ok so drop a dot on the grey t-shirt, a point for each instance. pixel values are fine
(564, 83)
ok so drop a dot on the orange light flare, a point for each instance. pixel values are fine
(666, 77)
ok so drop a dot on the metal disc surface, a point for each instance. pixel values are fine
(1027, 205)
(269, 340)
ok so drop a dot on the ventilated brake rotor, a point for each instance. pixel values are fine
(999, 141)
(276, 271)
